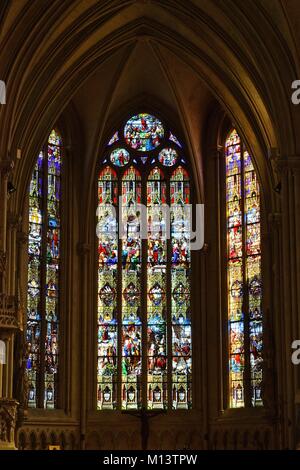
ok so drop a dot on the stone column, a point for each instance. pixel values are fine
(5, 169)
(288, 173)
(8, 324)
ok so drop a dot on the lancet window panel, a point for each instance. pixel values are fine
(44, 266)
(244, 277)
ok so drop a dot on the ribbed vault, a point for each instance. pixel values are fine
(51, 50)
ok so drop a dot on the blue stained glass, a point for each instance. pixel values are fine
(174, 139)
(143, 132)
(45, 183)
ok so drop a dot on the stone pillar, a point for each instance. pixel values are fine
(9, 324)
(288, 173)
(5, 169)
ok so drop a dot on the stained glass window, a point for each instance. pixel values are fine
(43, 276)
(167, 157)
(144, 355)
(143, 132)
(243, 275)
(119, 157)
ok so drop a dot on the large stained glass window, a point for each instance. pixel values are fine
(244, 285)
(43, 276)
(144, 264)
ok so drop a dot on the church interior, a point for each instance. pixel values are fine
(110, 340)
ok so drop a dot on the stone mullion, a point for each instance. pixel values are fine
(169, 340)
(84, 252)
(119, 285)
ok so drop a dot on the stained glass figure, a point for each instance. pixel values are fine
(119, 157)
(243, 272)
(143, 132)
(167, 156)
(43, 275)
(144, 313)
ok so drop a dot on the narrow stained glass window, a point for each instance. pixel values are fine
(43, 276)
(180, 288)
(157, 290)
(107, 289)
(243, 276)
(144, 346)
(131, 291)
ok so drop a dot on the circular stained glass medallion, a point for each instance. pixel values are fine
(143, 132)
(168, 157)
(119, 157)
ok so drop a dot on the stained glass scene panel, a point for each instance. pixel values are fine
(235, 251)
(180, 291)
(52, 271)
(33, 332)
(156, 291)
(131, 290)
(167, 156)
(143, 132)
(107, 233)
(119, 157)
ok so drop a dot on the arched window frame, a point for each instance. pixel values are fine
(47, 393)
(249, 386)
(144, 169)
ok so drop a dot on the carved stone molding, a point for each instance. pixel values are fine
(14, 220)
(2, 261)
(283, 164)
(216, 152)
(275, 220)
(8, 409)
(205, 249)
(8, 312)
(83, 249)
(31, 438)
(6, 167)
(22, 238)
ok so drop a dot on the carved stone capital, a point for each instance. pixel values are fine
(8, 413)
(284, 164)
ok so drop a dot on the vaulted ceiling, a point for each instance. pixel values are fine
(98, 60)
